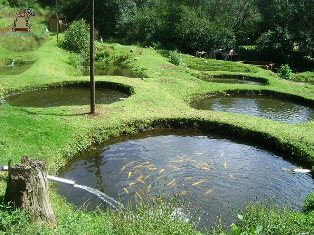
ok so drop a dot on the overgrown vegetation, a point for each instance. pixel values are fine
(175, 58)
(308, 206)
(163, 95)
(21, 42)
(76, 37)
(105, 57)
(285, 72)
(260, 219)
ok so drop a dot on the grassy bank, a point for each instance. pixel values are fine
(160, 97)
(304, 77)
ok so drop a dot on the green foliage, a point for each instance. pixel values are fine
(280, 29)
(303, 77)
(285, 72)
(105, 57)
(201, 64)
(20, 41)
(293, 17)
(157, 217)
(260, 220)
(77, 62)
(16, 222)
(4, 3)
(175, 58)
(23, 3)
(309, 203)
(248, 52)
(76, 37)
(276, 45)
(143, 27)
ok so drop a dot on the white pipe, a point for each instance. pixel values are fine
(49, 177)
(4, 168)
(61, 180)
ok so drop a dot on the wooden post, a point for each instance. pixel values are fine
(27, 188)
(57, 21)
(91, 60)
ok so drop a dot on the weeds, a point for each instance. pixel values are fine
(285, 72)
(21, 41)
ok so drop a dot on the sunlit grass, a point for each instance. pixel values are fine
(161, 96)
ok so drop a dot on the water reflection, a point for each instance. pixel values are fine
(266, 107)
(63, 96)
(14, 70)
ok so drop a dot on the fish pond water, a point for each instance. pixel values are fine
(63, 96)
(209, 175)
(260, 106)
(14, 70)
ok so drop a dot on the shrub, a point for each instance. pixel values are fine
(175, 58)
(308, 203)
(276, 45)
(285, 72)
(76, 37)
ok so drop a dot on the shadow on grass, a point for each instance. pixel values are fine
(52, 113)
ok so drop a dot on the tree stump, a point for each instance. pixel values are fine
(27, 188)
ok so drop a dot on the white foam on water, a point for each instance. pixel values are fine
(104, 197)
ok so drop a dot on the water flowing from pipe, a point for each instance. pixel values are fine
(104, 197)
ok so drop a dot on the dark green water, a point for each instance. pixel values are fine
(63, 96)
(260, 106)
(17, 69)
(211, 175)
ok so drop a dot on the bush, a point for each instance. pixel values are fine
(76, 37)
(175, 58)
(285, 72)
(308, 203)
(276, 45)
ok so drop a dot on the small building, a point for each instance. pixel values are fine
(57, 23)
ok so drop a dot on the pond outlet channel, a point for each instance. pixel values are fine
(260, 106)
(210, 175)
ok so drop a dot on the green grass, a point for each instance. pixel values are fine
(160, 97)
(303, 77)
(260, 219)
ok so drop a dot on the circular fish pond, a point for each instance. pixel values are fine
(63, 96)
(211, 176)
(260, 106)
